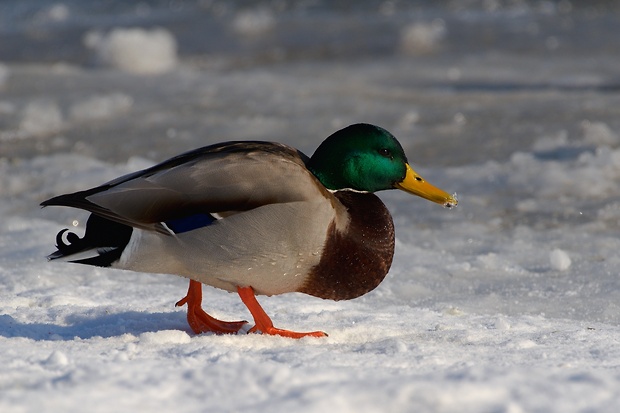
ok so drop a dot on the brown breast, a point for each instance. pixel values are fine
(356, 260)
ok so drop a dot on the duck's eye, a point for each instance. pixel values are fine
(385, 152)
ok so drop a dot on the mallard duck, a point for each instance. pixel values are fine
(253, 218)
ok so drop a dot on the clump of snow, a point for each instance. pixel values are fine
(599, 133)
(408, 120)
(611, 213)
(56, 13)
(41, 117)
(165, 337)
(254, 22)
(552, 142)
(422, 38)
(501, 324)
(592, 174)
(101, 107)
(56, 359)
(560, 260)
(135, 50)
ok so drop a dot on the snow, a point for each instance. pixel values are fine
(508, 303)
(135, 50)
(39, 117)
(100, 107)
(253, 22)
(419, 38)
(560, 260)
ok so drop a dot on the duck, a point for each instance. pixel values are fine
(255, 218)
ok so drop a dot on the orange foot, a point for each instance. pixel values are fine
(263, 322)
(201, 322)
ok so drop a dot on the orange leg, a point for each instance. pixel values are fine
(262, 320)
(201, 322)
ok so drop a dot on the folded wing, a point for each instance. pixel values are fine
(220, 179)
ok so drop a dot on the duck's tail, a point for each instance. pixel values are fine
(102, 244)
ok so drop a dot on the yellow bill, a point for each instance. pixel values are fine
(414, 184)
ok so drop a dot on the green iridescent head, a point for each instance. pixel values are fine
(368, 158)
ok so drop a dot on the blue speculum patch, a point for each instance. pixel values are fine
(190, 223)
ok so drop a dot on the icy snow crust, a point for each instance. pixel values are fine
(508, 303)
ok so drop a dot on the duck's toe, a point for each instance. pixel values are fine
(263, 323)
(199, 320)
(271, 330)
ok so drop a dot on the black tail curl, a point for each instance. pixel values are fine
(107, 239)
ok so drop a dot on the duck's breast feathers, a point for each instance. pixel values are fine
(223, 178)
(357, 258)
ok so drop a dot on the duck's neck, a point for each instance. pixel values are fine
(356, 260)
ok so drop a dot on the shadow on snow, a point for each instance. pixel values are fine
(109, 325)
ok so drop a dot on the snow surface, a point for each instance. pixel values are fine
(508, 303)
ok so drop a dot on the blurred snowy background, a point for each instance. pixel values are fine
(510, 303)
